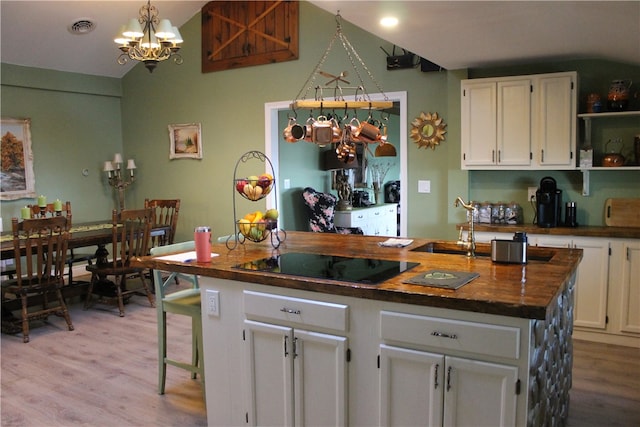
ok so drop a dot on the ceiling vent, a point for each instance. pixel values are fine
(82, 26)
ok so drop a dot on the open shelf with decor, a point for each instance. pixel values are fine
(587, 118)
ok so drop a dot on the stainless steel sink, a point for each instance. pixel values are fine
(448, 248)
(482, 250)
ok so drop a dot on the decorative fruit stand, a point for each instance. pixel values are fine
(255, 226)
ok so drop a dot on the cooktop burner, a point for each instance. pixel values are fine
(346, 269)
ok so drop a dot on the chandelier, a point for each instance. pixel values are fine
(149, 39)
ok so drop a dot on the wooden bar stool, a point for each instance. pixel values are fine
(185, 302)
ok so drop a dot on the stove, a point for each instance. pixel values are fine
(345, 269)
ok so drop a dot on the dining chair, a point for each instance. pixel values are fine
(130, 236)
(321, 211)
(185, 302)
(73, 256)
(166, 213)
(40, 249)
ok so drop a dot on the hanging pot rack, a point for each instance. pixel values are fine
(361, 99)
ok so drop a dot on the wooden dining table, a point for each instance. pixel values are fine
(82, 235)
(85, 234)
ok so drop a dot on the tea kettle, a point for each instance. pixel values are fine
(613, 159)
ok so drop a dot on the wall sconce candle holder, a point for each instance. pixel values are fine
(117, 179)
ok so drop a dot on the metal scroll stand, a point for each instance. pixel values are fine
(271, 229)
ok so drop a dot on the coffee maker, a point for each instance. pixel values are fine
(549, 203)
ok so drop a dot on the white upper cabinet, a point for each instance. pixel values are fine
(555, 120)
(522, 122)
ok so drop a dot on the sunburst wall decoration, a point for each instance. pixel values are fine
(428, 130)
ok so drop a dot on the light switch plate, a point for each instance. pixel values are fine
(424, 186)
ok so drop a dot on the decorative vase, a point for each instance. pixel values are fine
(376, 193)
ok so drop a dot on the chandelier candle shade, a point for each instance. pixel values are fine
(149, 39)
(113, 168)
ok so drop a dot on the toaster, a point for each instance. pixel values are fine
(510, 251)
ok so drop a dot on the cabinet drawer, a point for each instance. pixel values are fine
(479, 338)
(283, 309)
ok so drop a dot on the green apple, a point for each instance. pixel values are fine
(253, 180)
(271, 214)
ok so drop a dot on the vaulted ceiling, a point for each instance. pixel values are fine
(452, 34)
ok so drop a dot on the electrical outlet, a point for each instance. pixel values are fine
(213, 302)
(532, 194)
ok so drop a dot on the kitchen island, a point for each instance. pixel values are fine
(283, 349)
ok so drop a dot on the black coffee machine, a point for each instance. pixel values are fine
(549, 203)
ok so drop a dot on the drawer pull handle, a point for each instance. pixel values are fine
(290, 310)
(444, 335)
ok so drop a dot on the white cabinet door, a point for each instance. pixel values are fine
(592, 283)
(555, 119)
(320, 379)
(479, 393)
(592, 278)
(411, 384)
(514, 123)
(296, 377)
(268, 356)
(479, 117)
(630, 303)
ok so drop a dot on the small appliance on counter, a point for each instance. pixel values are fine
(549, 203)
(510, 251)
(570, 215)
(361, 199)
(392, 192)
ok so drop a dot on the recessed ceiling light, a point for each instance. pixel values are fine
(389, 21)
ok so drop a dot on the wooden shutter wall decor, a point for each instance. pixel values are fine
(239, 34)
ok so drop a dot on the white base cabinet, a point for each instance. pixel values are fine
(287, 357)
(297, 377)
(607, 306)
(377, 220)
(625, 269)
(422, 388)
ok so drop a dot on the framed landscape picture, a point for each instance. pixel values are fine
(17, 180)
(186, 141)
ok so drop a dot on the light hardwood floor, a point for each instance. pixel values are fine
(105, 374)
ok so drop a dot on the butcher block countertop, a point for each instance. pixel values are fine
(584, 231)
(525, 291)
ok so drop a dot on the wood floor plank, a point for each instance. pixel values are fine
(102, 374)
(105, 373)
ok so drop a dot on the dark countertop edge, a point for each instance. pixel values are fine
(374, 292)
(582, 231)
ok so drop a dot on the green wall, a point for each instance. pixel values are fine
(230, 106)
(80, 121)
(75, 125)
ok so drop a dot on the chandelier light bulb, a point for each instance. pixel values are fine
(165, 30)
(150, 42)
(177, 37)
(133, 29)
(120, 38)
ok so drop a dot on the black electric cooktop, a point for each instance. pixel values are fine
(345, 269)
